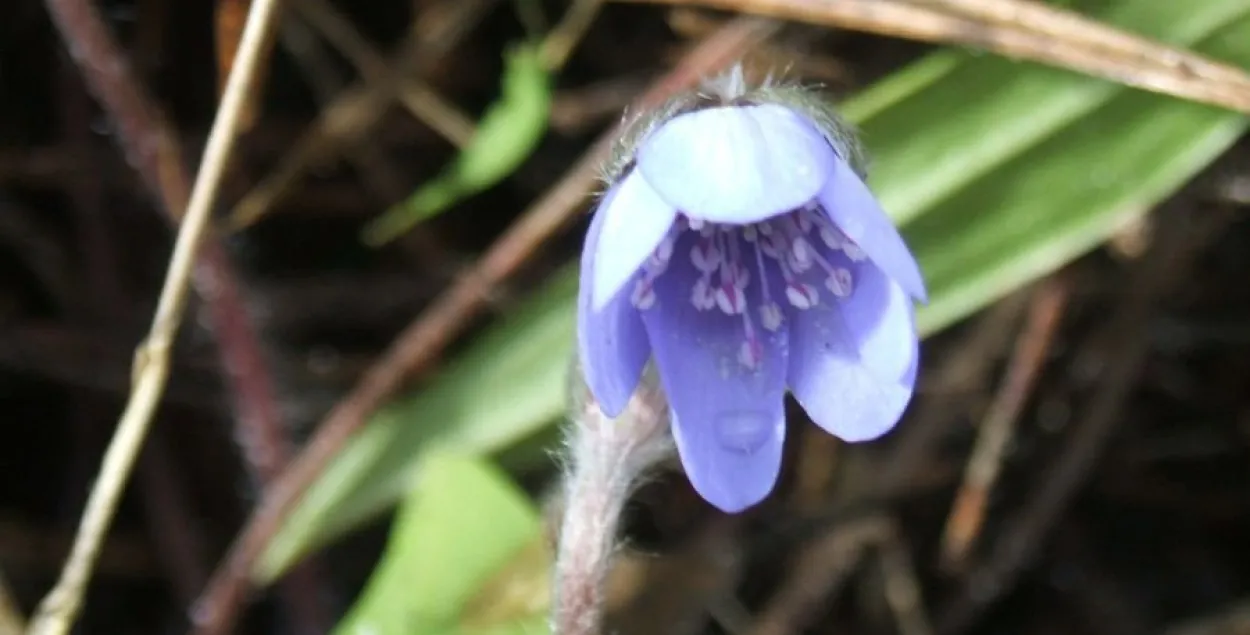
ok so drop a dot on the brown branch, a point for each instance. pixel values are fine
(150, 145)
(422, 341)
(1125, 345)
(967, 515)
(1198, 79)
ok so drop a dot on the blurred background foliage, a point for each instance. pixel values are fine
(394, 141)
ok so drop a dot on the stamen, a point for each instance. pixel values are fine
(657, 262)
(702, 296)
(770, 316)
(643, 296)
(723, 277)
(831, 235)
(800, 252)
(839, 280)
(705, 255)
(729, 295)
(770, 313)
(800, 294)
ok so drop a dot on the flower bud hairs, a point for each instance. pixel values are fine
(739, 251)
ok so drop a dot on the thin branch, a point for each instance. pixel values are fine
(1067, 26)
(58, 611)
(968, 511)
(898, 18)
(149, 143)
(356, 109)
(422, 341)
(1125, 346)
(561, 41)
(419, 98)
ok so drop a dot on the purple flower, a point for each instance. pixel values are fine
(742, 250)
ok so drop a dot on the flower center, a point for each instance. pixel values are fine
(761, 272)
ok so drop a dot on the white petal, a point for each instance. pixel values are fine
(635, 220)
(737, 164)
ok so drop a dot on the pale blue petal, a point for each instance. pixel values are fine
(853, 363)
(737, 164)
(855, 211)
(635, 220)
(728, 420)
(611, 341)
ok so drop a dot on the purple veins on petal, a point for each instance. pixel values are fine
(737, 164)
(853, 365)
(853, 208)
(725, 380)
(611, 341)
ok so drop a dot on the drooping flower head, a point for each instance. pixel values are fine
(738, 247)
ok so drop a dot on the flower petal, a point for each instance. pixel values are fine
(853, 365)
(737, 164)
(728, 418)
(611, 341)
(853, 208)
(635, 220)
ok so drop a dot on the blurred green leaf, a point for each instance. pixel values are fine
(1061, 199)
(999, 171)
(509, 131)
(463, 528)
(952, 132)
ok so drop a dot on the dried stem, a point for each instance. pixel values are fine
(152, 149)
(418, 345)
(1068, 26)
(355, 110)
(416, 96)
(1124, 343)
(559, 44)
(901, 19)
(59, 609)
(968, 511)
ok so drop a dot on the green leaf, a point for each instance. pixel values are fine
(508, 133)
(463, 530)
(989, 110)
(1061, 199)
(1000, 172)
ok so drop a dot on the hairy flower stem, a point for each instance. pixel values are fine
(607, 458)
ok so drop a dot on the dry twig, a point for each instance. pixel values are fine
(1194, 78)
(968, 511)
(1125, 344)
(355, 110)
(59, 609)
